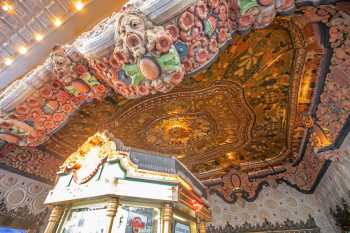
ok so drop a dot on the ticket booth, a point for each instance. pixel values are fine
(103, 189)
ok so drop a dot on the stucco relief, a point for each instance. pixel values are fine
(22, 201)
(277, 205)
(129, 54)
(30, 161)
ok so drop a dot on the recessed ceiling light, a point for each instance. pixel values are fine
(23, 50)
(7, 6)
(39, 37)
(79, 5)
(57, 22)
(8, 61)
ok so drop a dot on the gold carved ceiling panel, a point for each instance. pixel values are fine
(241, 112)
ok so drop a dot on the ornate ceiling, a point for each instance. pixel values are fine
(33, 27)
(254, 117)
(245, 111)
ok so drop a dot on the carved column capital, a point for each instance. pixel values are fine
(167, 217)
(112, 207)
(167, 212)
(54, 219)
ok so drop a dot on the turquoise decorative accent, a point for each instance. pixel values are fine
(133, 71)
(90, 80)
(245, 5)
(17, 131)
(182, 49)
(169, 62)
(208, 29)
(72, 90)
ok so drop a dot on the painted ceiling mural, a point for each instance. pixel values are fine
(249, 119)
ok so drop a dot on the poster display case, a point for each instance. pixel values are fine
(102, 189)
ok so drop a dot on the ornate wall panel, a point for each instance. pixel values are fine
(288, 226)
(30, 162)
(334, 108)
(335, 186)
(21, 201)
(280, 205)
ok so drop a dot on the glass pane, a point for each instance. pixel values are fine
(136, 220)
(87, 219)
(181, 228)
(11, 230)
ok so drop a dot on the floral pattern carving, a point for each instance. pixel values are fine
(144, 59)
(149, 59)
(334, 108)
(289, 226)
(30, 161)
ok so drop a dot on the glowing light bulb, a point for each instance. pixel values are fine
(7, 7)
(23, 50)
(39, 37)
(57, 22)
(8, 61)
(79, 5)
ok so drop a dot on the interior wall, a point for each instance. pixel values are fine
(22, 201)
(274, 204)
(335, 184)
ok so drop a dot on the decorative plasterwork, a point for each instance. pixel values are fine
(341, 215)
(30, 162)
(197, 125)
(288, 226)
(240, 185)
(132, 64)
(22, 199)
(245, 112)
(334, 108)
(127, 53)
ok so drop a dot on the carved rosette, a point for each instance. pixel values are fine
(144, 59)
(334, 108)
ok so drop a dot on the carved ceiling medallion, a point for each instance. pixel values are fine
(196, 125)
(237, 114)
(243, 112)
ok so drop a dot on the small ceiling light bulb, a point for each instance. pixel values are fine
(57, 22)
(7, 7)
(23, 50)
(39, 37)
(8, 61)
(79, 5)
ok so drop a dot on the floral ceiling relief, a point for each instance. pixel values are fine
(133, 53)
(31, 162)
(238, 124)
(241, 104)
(244, 116)
(334, 108)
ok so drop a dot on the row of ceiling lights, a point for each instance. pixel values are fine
(8, 7)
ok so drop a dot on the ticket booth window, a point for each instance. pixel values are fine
(11, 230)
(85, 219)
(181, 227)
(133, 219)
